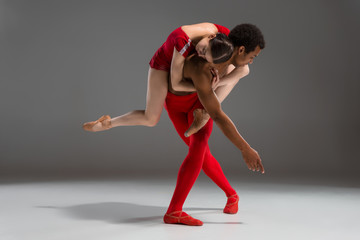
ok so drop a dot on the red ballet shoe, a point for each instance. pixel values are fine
(181, 218)
(103, 123)
(232, 204)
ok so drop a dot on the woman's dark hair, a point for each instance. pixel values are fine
(221, 48)
(247, 35)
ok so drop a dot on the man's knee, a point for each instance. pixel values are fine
(199, 140)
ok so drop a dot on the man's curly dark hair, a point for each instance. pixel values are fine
(247, 35)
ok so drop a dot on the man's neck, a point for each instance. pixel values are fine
(232, 59)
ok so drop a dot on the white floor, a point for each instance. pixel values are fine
(104, 210)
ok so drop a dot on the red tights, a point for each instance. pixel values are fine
(180, 110)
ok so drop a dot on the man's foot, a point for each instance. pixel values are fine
(201, 117)
(232, 204)
(181, 217)
(101, 124)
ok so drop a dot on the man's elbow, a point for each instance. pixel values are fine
(215, 115)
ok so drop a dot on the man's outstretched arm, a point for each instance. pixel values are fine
(201, 76)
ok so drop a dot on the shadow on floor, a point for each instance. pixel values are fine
(121, 212)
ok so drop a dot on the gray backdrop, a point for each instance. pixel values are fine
(67, 62)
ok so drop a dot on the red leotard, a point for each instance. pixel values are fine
(178, 39)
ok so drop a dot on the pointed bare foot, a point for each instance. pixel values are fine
(201, 117)
(101, 124)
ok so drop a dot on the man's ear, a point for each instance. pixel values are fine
(241, 50)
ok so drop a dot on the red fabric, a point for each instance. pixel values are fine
(232, 205)
(222, 29)
(163, 56)
(180, 110)
(182, 218)
(178, 39)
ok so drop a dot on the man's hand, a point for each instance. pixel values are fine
(252, 160)
(215, 80)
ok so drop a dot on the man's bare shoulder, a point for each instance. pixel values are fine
(195, 65)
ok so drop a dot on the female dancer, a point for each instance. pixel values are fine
(168, 62)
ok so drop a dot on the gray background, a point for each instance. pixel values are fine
(67, 62)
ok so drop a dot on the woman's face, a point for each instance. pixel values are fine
(203, 48)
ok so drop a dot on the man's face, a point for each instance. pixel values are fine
(241, 58)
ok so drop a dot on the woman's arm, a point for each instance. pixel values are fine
(176, 74)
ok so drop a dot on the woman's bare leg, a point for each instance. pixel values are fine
(156, 93)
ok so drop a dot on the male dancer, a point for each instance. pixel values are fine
(248, 42)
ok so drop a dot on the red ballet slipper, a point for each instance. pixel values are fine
(180, 217)
(232, 204)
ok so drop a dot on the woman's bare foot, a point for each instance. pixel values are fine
(101, 124)
(201, 117)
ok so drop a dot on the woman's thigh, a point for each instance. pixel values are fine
(156, 91)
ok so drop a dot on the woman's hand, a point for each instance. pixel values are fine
(252, 160)
(215, 80)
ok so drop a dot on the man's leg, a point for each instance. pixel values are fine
(211, 166)
(191, 167)
(178, 109)
(212, 169)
